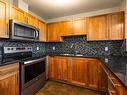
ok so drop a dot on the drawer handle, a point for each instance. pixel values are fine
(111, 92)
(114, 84)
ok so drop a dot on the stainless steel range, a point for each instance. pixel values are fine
(32, 69)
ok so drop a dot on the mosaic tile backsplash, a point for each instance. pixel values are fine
(79, 45)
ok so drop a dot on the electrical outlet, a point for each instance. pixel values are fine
(37, 48)
(53, 47)
(106, 48)
(106, 60)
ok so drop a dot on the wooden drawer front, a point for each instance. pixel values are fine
(119, 89)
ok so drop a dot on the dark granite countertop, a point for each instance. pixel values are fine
(116, 64)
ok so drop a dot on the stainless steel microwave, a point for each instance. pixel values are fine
(22, 31)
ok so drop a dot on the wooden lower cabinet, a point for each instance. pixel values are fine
(78, 71)
(93, 75)
(9, 84)
(75, 70)
(57, 68)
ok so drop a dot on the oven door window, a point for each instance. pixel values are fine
(34, 70)
(24, 32)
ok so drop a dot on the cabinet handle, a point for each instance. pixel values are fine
(111, 92)
(18, 78)
(114, 84)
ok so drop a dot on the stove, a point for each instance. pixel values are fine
(31, 69)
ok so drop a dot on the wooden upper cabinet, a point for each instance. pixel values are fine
(93, 75)
(78, 71)
(116, 26)
(97, 28)
(17, 14)
(4, 17)
(42, 30)
(53, 30)
(32, 20)
(79, 27)
(66, 28)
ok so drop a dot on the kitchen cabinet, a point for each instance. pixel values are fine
(9, 84)
(93, 75)
(4, 17)
(57, 68)
(114, 86)
(78, 71)
(53, 30)
(97, 28)
(17, 14)
(79, 27)
(66, 28)
(116, 26)
(32, 20)
(75, 70)
(42, 33)
(106, 27)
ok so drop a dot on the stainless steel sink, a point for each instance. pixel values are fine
(72, 54)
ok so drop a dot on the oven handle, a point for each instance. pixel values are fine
(33, 61)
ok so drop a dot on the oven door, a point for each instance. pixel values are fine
(32, 71)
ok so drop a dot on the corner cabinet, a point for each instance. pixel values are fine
(106, 27)
(9, 81)
(4, 17)
(116, 26)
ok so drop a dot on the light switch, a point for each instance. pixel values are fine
(106, 60)
(53, 47)
(106, 48)
(37, 48)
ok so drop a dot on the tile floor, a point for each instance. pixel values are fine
(56, 88)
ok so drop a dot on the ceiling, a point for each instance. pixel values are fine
(49, 9)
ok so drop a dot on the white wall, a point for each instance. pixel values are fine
(82, 15)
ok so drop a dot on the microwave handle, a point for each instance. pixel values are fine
(37, 34)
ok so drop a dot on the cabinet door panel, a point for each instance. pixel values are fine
(9, 84)
(53, 30)
(78, 71)
(97, 28)
(17, 14)
(66, 28)
(4, 19)
(79, 27)
(42, 33)
(116, 26)
(93, 76)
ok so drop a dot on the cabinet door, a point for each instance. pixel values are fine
(62, 67)
(78, 67)
(79, 27)
(66, 28)
(116, 26)
(9, 84)
(4, 19)
(103, 79)
(17, 14)
(42, 33)
(53, 30)
(32, 20)
(97, 28)
(58, 68)
(93, 76)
